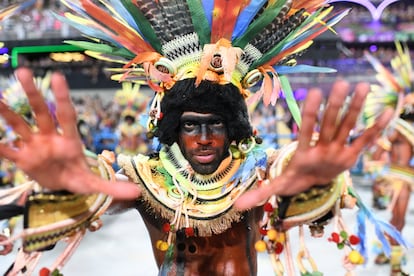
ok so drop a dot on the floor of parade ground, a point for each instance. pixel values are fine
(122, 247)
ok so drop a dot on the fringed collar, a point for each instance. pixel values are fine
(187, 199)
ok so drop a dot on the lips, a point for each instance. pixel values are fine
(204, 157)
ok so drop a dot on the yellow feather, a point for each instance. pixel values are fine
(317, 20)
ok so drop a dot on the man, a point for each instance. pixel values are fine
(203, 139)
(201, 194)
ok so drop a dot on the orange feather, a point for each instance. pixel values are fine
(7, 11)
(124, 35)
(224, 18)
(308, 5)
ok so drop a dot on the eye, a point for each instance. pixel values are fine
(188, 125)
(217, 123)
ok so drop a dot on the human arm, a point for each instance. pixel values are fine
(55, 159)
(331, 154)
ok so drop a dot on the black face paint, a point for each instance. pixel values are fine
(210, 124)
(203, 140)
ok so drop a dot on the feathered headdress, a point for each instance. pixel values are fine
(240, 42)
(130, 99)
(395, 90)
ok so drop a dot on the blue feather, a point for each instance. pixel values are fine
(381, 226)
(77, 8)
(256, 158)
(208, 7)
(156, 145)
(362, 234)
(302, 68)
(246, 16)
(124, 13)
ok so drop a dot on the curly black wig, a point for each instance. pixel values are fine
(207, 97)
(407, 115)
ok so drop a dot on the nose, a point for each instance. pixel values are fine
(205, 134)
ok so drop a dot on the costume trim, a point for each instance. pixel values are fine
(403, 173)
(179, 195)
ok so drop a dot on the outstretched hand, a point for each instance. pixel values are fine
(331, 155)
(53, 158)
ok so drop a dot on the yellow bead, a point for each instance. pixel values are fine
(236, 154)
(163, 246)
(158, 244)
(272, 234)
(355, 257)
(281, 237)
(260, 246)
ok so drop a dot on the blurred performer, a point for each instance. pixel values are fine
(395, 180)
(132, 134)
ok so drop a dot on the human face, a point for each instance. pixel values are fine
(203, 140)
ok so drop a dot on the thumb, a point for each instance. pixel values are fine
(121, 190)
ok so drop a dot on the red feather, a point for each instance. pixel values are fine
(125, 36)
(224, 18)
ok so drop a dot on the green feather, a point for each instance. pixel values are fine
(143, 24)
(290, 99)
(201, 25)
(101, 48)
(266, 18)
(97, 47)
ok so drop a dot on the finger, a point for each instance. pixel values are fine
(309, 118)
(251, 198)
(65, 111)
(9, 153)
(335, 102)
(43, 118)
(122, 190)
(348, 123)
(16, 121)
(370, 135)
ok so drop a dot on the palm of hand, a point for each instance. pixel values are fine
(318, 163)
(321, 163)
(54, 158)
